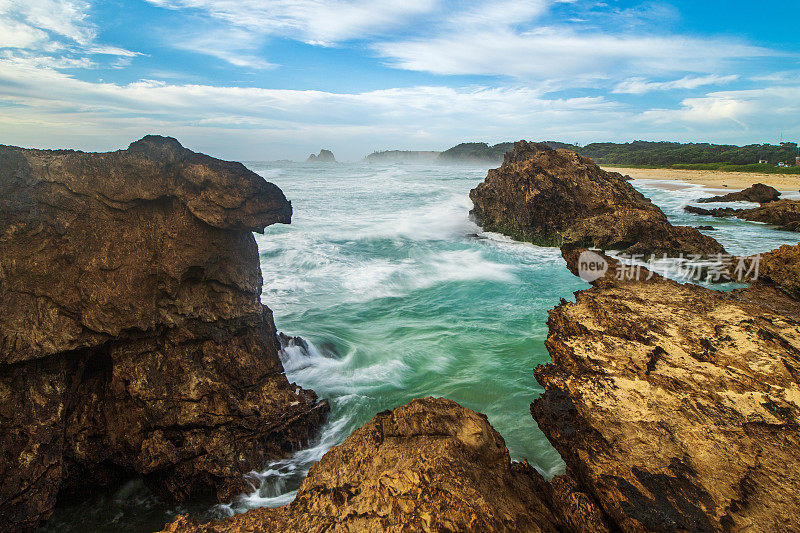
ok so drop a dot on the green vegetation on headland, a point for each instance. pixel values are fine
(695, 156)
(725, 167)
(641, 154)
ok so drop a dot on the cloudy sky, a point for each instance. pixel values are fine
(269, 79)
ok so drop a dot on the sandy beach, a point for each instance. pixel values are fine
(714, 179)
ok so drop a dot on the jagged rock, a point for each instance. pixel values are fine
(780, 268)
(758, 193)
(132, 337)
(554, 197)
(325, 156)
(782, 213)
(676, 407)
(288, 341)
(430, 465)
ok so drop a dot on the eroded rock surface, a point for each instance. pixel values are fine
(758, 193)
(430, 465)
(132, 336)
(675, 407)
(555, 197)
(782, 213)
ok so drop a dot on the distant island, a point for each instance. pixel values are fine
(325, 156)
(764, 158)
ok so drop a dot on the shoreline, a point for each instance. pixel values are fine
(712, 178)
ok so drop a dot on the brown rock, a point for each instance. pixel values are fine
(780, 268)
(782, 213)
(555, 197)
(758, 193)
(132, 337)
(431, 465)
(675, 407)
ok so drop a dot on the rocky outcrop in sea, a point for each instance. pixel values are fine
(758, 193)
(325, 156)
(555, 197)
(133, 341)
(784, 214)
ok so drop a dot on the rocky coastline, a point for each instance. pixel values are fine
(784, 214)
(674, 407)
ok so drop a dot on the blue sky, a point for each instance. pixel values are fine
(270, 79)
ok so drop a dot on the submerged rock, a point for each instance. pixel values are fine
(325, 156)
(430, 465)
(555, 197)
(675, 407)
(758, 193)
(132, 336)
(785, 214)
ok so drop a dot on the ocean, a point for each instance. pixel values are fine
(400, 296)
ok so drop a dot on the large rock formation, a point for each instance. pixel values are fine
(431, 465)
(325, 156)
(758, 193)
(554, 197)
(675, 407)
(132, 337)
(785, 214)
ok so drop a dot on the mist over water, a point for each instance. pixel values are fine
(401, 296)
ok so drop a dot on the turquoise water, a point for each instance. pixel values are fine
(402, 296)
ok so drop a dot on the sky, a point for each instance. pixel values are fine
(279, 79)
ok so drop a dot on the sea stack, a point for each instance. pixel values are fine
(555, 197)
(325, 156)
(133, 341)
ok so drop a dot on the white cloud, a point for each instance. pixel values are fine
(642, 86)
(232, 45)
(315, 21)
(56, 33)
(763, 112)
(560, 52)
(241, 120)
(52, 109)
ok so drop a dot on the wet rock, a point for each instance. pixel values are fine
(430, 465)
(706, 228)
(758, 193)
(132, 338)
(287, 341)
(555, 197)
(676, 407)
(780, 268)
(785, 214)
(325, 156)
